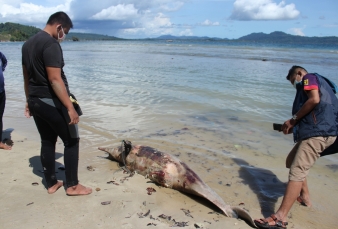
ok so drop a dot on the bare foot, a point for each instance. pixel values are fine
(303, 201)
(78, 190)
(4, 146)
(55, 187)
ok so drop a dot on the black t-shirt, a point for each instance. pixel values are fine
(39, 52)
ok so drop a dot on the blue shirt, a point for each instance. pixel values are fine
(3, 64)
(323, 119)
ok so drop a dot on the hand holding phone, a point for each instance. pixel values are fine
(277, 126)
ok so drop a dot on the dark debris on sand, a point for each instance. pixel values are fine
(150, 190)
(113, 182)
(173, 222)
(141, 215)
(90, 168)
(168, 219)
(187, 212)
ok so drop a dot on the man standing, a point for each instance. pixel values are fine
(314, 125)
(3, 64)
(47, 95)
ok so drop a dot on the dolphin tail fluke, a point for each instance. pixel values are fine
(243, 214)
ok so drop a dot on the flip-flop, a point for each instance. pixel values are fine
(301, 201)
(265, 223)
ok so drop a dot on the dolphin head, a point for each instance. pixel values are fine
(113, 153)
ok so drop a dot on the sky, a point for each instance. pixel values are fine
(152, 18)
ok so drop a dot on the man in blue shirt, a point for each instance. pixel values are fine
(3, 64)
(314, 125)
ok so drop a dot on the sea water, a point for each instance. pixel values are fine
(148, 89)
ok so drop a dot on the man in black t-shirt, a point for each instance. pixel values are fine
(47, 95)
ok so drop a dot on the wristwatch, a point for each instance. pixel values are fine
(294, 117)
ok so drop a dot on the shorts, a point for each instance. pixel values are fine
(304, 154)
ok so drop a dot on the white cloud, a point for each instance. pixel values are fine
(147, 26)
(245, 10)
(298, 31)
(119, 12)
(11, 2)
(130, 19)
(31, 13)
(172, 6)
(209, 23)
(186, 32)
(160, 21)
(137, 18)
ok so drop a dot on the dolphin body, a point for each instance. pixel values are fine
(168, 171)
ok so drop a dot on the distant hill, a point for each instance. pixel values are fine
(274, 37)
(281, 37)
(16, 32)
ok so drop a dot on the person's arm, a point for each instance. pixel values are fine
(309, 105)
(4, 61)
(26, 83)
(54, 77)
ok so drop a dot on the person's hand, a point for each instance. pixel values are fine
(27, 112)
(74, 117)
(288, 125)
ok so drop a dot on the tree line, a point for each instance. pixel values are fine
(15, 32)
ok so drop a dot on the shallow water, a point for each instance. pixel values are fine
(142, 88)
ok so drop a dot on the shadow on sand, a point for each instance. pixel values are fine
(6, 136)
(37, 169)
(265, 184)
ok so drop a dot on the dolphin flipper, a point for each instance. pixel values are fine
(243, 214)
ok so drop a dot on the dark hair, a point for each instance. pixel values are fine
(293, 71)
(62, 18)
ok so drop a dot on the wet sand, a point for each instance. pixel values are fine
(241, 169)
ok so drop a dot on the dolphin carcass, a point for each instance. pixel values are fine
(168, 171)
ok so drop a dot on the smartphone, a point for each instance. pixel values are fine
(277, 126)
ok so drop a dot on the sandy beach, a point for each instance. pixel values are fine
(125, 203)
(26, 204)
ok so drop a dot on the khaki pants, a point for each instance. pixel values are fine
(304, 154)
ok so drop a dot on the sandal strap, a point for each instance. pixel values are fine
(273, 216)
(278, 222)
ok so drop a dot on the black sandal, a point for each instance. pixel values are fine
(265, 223)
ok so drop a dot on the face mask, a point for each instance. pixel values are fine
(295, 83)
(60, 39)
